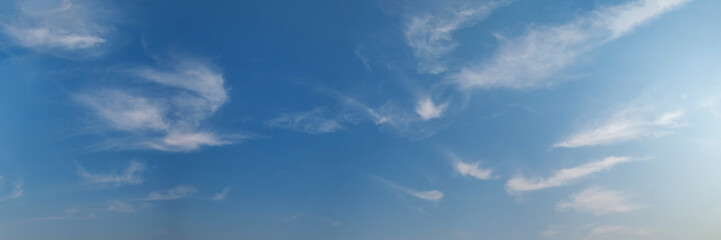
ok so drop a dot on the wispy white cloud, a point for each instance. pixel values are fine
(43, 37)
(221, 195)
(594, 232)
(121, 206)
(391, 116)
(203, 84)
(193, 91)
(470, 169)
(16, 191)
(430, 35)
(69, 29)
(188, 141)
(364, 59)
(615, 231)
(313, 122)
(130, 175)
(598, 201)
(386, 114)
(127, 112)
(563, 176)
(529, 60)
(631, 123)
(427, 110)
(178, 192)
(432, 195)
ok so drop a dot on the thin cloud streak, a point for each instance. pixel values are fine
(129, 176)
(120, 206)
(391, 116)
(610, 231)
(432, 195)
(629, 124)
(16, 192)
(563, 176)
(44, 37)
(70, 29)
(528, 61)
(312, 122)
(598, 201)
(178, 192)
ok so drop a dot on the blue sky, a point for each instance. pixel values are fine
(360, 119)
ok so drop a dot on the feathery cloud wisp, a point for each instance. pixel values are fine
(430, 36)
(563, 176)
(394, 117)
(170, 122)
(181, 191)
(598, 201)
(432, 195)
(632, 123)
(71, 29)
(130, 175)
(527, 61)
(390, 115)
(308, 122)
(16, 192)
(123, 111)
(43, 37)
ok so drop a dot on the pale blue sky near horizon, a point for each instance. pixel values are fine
(383, 120)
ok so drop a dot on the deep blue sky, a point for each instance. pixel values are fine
(383, 120)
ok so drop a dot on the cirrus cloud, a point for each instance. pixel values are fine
(130, 175)
(629, 124)
(193, 90)
(598, 201)
(178, 192)
(430, 35)
(563, 176)
(71, 29)
(529, 60)
(431, 195)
